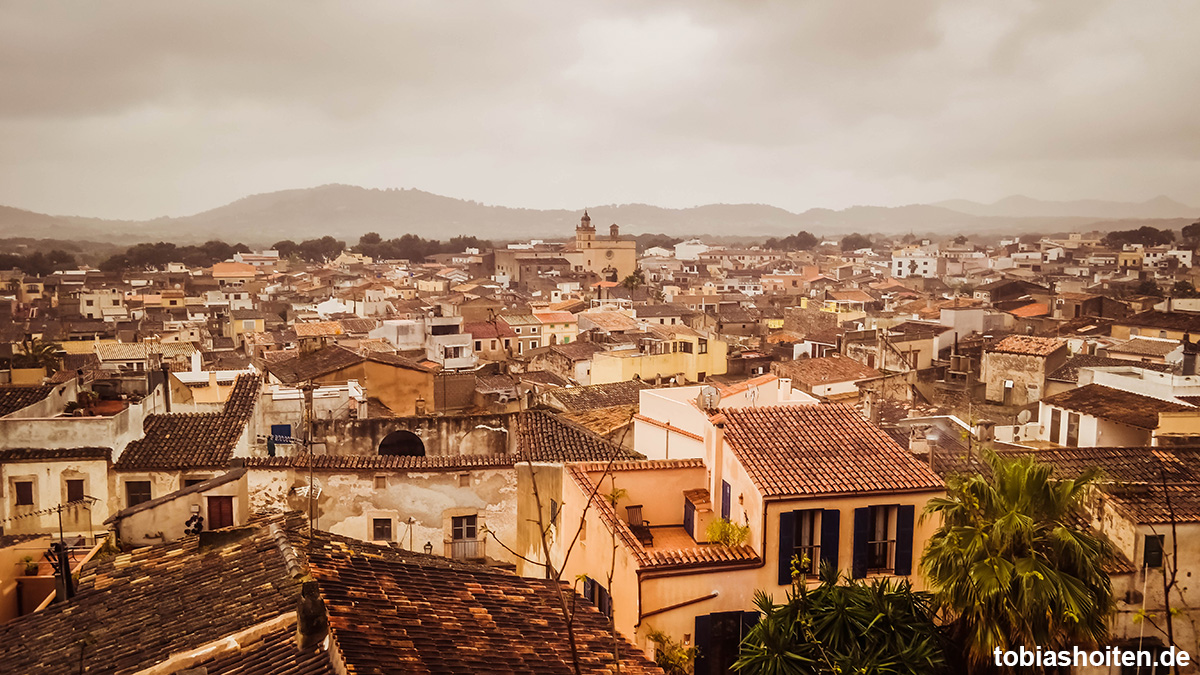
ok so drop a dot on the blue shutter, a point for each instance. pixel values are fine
(787, 545)
(904, 539)
(831, 532)
(589, 590)
(689, 517)
(703, 644)
(725, 496)
(862, 530)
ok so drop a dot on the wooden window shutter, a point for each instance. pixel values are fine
(862, 531)
(905, 515)
(787, 545)
(831, 531)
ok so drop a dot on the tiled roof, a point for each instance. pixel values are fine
(485, 330)
(395, 360)
(1177, 321)
(193, 440)
(14, 397)
(1069, 371)
(542, 436)
(825, 370)
(273, 653)
(1028, 345)
(1124, 407)
(1146, 347)
(820, 449)
(318, 329)
(358, 326)
(310, 365)
(366, 463)
(137, 609)
(396, 611)
(600, 395)
(1132, 478)
(603, 420)
(1031, 310)
(54, 454)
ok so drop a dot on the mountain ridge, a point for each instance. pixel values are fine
(348, 211)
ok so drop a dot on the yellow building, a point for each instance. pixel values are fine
(779, 471)
(611, 257)
(665, 352)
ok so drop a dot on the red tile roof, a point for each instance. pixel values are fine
(1028, 345)
(1116, 405)
(801, 450)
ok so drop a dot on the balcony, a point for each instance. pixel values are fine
(468, 549)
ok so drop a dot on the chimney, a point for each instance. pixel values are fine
(1190, 351)
(614, 231)
(312, 623)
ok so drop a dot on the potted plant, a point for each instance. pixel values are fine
(31, 566)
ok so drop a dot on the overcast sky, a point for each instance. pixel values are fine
(134, 110)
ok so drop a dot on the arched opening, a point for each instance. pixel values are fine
(403, 443)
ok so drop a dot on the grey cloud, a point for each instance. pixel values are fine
(145, 108)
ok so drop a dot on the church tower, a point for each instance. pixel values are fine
(585, 234)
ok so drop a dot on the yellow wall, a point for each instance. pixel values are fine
(616, 367)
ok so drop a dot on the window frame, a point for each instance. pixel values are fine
(460, 525)
(376, 524)
(129, 492)
(28, 486)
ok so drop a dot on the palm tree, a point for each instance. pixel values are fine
(635, 280)
(37, 354)
(1014, 563)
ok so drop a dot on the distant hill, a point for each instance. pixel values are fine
(347, 211)
(1019, 206)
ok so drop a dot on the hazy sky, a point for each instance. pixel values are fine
(139, 109)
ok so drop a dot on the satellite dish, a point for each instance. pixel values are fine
(709, 398)
(1023, 416)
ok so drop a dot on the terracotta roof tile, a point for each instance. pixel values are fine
(54, 454)
(1028, 345)
(626, 392)
(825, 370)
(392, 611)
(1124, 407)
(14, 397)
(193, 440)
(820, 449)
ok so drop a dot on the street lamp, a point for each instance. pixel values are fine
(429, 548)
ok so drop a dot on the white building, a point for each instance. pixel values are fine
(690, 249)
(914, 262)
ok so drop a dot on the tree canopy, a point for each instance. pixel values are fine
(1145, 235)
(37, 263)
(801, 241)
(157, 255)
(412, 247)
(855, 241)
(1014, 564)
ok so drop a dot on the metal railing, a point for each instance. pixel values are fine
(881, 556)
(467, 549)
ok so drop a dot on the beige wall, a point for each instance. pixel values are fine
(11, 568)
(167, 521)
(349, 500)
(397, 388)
(613, 367)
(50, 489)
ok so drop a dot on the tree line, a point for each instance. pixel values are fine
(38, 264)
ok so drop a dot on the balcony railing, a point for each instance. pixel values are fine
(881, 556)
(467, 549)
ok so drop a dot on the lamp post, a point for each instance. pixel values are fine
(429, 548)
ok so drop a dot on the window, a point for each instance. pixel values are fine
(1055, 425)
(380, 482)
(381, 529)
(248, 324)
(464, 528)
(24, 492)
(1152, 553)
(881, 541)
(90, 303)
(189, 482)
(479, 345)
(517, 330)
(136, 492)
(553, 512)
(703, 346)
(726, 493)
(74, 489)
(806, 548)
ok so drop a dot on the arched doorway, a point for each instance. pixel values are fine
(403, 443)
